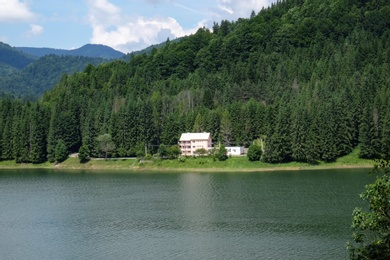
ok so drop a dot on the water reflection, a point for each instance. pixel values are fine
(196, 200)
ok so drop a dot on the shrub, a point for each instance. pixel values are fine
(222, 153)
(201, 152)
(83, 153)
(254, 153)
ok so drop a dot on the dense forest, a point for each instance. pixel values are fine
(310, 78)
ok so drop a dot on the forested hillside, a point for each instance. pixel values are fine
(12, 59)
(43, 74)
(311, 78)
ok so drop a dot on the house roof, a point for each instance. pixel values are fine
(194, 136)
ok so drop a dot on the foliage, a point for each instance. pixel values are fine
(170, 152)
(61, 153)
(201, 152)
(254, 153)
(105, 144)
(83, 153)
(372, 228)
(221, 154)
(174, 151)
(162, 151)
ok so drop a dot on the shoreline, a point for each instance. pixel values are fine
(129, 165)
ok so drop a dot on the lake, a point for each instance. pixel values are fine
(50, 214)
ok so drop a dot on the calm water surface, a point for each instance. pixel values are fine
(46, 214)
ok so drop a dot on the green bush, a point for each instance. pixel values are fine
(254, 153)
(83, 153)
(221, 153)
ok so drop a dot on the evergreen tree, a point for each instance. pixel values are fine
(37, 135)
(226, 128)
(83, 153)
(61, 152)
(221, 153)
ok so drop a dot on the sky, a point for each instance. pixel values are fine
(125, 25)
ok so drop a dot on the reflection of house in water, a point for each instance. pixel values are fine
(235, 151)
(190, 142)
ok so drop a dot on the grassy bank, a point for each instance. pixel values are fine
(194, 164)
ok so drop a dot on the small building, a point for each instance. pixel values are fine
(190, 142)
(235, 151)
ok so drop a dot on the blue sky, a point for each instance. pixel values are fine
(125, 25)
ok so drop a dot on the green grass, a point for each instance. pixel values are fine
(194, 164)
(13, 164)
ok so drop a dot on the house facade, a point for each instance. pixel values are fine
(235, 151)
(190, 142)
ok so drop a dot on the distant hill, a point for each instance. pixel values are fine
(11, 58)
(43, 74)
(29, 72)
(88, 50)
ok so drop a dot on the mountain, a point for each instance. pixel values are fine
(12, 58)
(88, 50)
(26, 71)
(43, 74)
(29, 72)
(309, 80)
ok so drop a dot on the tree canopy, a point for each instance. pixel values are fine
(372, 227)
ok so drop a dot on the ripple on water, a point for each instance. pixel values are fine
(278, 215)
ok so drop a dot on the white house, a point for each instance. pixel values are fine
(190, 142)
(235, 151)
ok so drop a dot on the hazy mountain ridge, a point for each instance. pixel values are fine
(88, 50)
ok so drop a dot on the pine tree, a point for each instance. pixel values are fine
(37, 135)
(61, 152)
(226, 128)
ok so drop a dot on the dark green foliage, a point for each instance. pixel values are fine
(37, 137)
(174, 151)
(83, 153)
(162, 151)
(254, 153)
(61, 153)
(221, 154)
(372, 228)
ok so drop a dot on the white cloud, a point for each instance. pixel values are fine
(113, 27)
(15, 11)
(35, 30)
(125, 33)
(232, 10)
